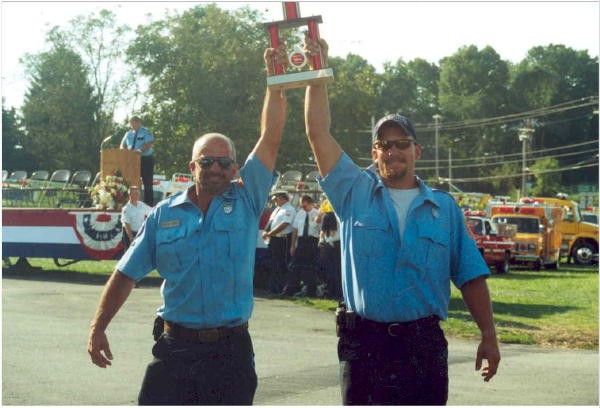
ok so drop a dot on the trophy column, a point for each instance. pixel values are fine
(283, 80)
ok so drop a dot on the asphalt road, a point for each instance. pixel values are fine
(44, 358)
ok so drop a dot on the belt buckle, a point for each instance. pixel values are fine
(389, 329)
(208, 335)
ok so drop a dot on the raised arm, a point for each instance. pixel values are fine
(317, 118)
(273, 116)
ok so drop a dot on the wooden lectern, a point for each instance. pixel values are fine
(126, 161)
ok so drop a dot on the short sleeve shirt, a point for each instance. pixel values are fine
(134, 215)
(313, 227)
(385, 278)
(206, 260)
(131, 141)
(282, 215)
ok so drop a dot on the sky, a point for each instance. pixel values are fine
(377, 31)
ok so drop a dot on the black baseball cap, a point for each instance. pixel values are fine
(399, 120)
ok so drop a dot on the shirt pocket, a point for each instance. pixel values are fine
(231, 234)
(434, 244)
(371, 236)
(172, 250)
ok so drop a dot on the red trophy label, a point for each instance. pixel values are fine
(297, 58)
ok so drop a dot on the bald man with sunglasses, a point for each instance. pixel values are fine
(202, 241)
(403, 243)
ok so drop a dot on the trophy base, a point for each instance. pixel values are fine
(300, 79)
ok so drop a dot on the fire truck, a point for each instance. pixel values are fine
(494, 241)
(538, 236)
(579, 238)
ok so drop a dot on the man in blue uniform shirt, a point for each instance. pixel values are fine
(402, 245)
(139, 140)
(202, 242)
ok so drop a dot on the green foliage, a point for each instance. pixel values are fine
(58, 112)
(352, 102)
(546, 182)
(473, 84)
(101, 43)
(14, 157)
(206, 74)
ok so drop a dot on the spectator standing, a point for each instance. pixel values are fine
(278, 233)
(133, 215)
(140, 140)
(304, 248)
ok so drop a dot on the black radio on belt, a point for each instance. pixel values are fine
(344, 319)
(159, 327)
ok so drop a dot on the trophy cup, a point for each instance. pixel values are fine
(297, 58)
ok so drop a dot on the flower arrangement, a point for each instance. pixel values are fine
(110, 192)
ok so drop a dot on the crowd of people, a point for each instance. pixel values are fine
(304, 245)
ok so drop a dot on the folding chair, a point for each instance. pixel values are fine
(57, 183)
(75, 191)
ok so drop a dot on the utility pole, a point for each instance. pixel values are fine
(437, 118)
(450, 169)
(524, 136)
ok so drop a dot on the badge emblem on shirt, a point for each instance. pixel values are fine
(227, 207)
(435, 212)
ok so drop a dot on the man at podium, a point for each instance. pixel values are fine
(139, 140)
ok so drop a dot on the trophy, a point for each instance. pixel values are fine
(297, 58)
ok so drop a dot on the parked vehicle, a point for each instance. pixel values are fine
(495, 241)
(538, 236)
(579, 238)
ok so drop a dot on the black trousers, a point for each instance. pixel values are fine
(408, 369)
(331, 262)
(147, 172)
(189, 373)
(280, 249)
(304, 265)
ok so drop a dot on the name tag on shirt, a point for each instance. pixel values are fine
(169, 224)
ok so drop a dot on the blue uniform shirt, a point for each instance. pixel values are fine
(131, 142)
(389, 278)
(207, 260)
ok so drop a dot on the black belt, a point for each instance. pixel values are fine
(395, 329)
(203, 335)
(351, 322)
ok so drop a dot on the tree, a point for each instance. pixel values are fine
(205, 74)
(549, 76)
(473, 85)
(101, 44)
(547, 184)
(59, 112)
(426, 76)
(352, 101)
(13, 155)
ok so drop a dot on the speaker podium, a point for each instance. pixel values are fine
(126, 161)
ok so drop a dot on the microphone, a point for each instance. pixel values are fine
(106, 139)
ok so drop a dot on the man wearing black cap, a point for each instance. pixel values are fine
(402, 244)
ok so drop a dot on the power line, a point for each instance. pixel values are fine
(460, 166)
(514, 175)
(470, 123)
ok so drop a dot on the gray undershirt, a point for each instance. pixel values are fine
(402, 200)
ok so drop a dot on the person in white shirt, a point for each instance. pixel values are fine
(278, 233)
(133, 215)
(304, 248)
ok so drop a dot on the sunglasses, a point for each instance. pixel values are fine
(206, 162)
(401, 144)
